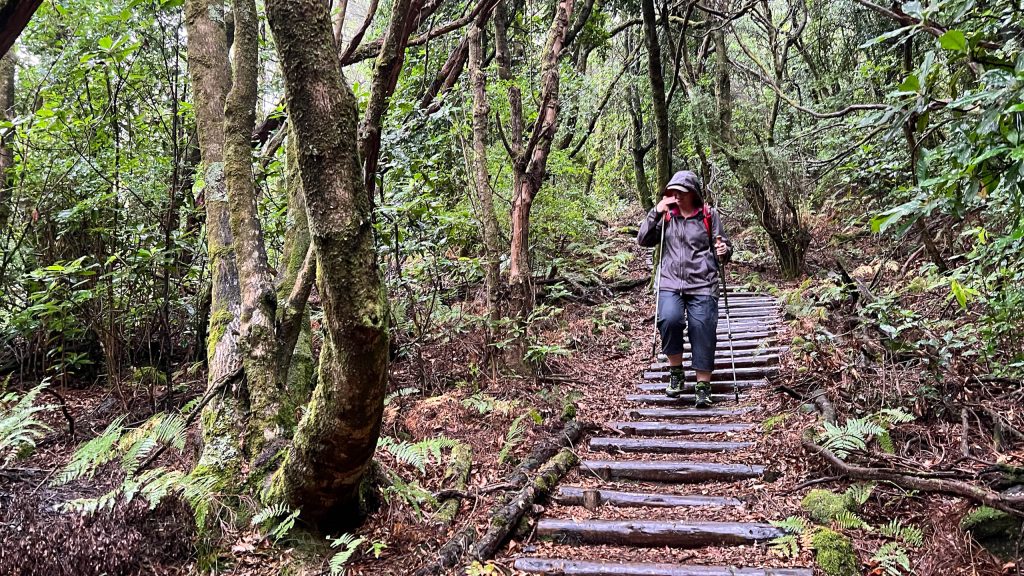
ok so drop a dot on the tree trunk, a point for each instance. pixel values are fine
(259, 302)
(638, 151)
(14, 16)
(336, 438)
(8, 64)
(481, 111)
(210, 76)
(295, 355)
(530, 167)
(662, 151)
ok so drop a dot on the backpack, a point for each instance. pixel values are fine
(707, 210)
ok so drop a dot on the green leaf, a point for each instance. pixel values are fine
(911, 84)
(105, 43)
(953, 40)
(958, 292)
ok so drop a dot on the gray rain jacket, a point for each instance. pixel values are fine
(687, 261)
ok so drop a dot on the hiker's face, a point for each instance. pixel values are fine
(684, 196)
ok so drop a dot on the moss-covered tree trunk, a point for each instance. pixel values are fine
(481, 179)
(259, 300)
(336, 438)
(208, 70)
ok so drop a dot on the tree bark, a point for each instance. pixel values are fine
(662, 151)
(530, 166)
(482, 182)
(8, 64)
(259, 302)
(336, 438)
(210, 77)
(14, 16)
(638, 152)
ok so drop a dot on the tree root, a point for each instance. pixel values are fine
(1011, 504)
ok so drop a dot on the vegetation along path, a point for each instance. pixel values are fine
(667, 475)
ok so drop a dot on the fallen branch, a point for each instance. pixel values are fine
(1011, 504)
(506, 519)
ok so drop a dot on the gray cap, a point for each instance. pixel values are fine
(685, 180)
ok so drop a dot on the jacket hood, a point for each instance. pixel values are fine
(685, 179)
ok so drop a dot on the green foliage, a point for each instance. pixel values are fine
(771, 422)
(19, 427)
(892, 560)
(908, 534)
(824, 505)
(834, 553)
(348, 544)
(417, 454)
(284, 520)
(515, 434)
(788, 545)
(484, 404)
(854, 435)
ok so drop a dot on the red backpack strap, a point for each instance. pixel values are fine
(707, 223)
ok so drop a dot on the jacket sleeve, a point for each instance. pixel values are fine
(650, 229)
(719, 230)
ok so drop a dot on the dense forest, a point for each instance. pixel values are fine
(323, 286)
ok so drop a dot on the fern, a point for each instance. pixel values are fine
(348, 544)
(484, 404)
(93, 454)
(850, 521)
(513, 437)
(909, 534)
(19, 427)
(851, 437)
(400, 393)
(788, 545)
(411, 492)
(417, 454)
(892, 560)
(269, 512)
(857, 494)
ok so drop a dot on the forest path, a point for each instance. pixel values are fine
(669, 478)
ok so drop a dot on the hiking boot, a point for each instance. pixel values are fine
(676, 379)
(703, 393)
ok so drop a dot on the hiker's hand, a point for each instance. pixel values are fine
(666, 203)
(721, 248)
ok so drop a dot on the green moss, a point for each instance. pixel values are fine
(219, 322)
(824, 505)
(834, 553)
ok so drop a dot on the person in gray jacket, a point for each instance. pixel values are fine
(688, 286)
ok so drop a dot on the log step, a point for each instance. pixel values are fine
(686, 413)
(662, 445)
(738, 344)
(561, 567)
(723, 353)
(716, 386)
(748, 373)
(685, 399)
(576, 496)
(658, 471)
(724, 362)
(677, 534)
(675, 429)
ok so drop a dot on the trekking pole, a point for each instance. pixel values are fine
(728, 326)
(657, 286)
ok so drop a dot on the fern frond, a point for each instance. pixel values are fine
(793, 524)
(19, 428)
(909, 534)
(400, 393)
(857, 494)
(348, 544)
(269, 512)
(513, 437)
(892, 560)
(92, 454)
(850, 521)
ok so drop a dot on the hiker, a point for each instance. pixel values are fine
(688, 285)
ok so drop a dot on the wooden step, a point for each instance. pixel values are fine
(687, 413)
(739, 344)
(724, 353)
(562, 567)
(725, 361)
(576, 496)
(716, 386)
(684, 400)
(660, 471)
(676, 429)
(662, 445)
(677, 534)
(748, 373)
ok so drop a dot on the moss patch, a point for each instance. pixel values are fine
(824, 505)
(834, 553)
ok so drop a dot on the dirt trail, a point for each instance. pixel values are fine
(663, 488)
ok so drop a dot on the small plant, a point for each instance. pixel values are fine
(908, 534)
(854, 435)
(892, 560)
(514, 435)
(417, 454)
(789, 544)
(348, 545)
(485, 404)
(772, 422)
(275, 530)
(19, 427)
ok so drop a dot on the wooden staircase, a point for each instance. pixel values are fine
(671, 476)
